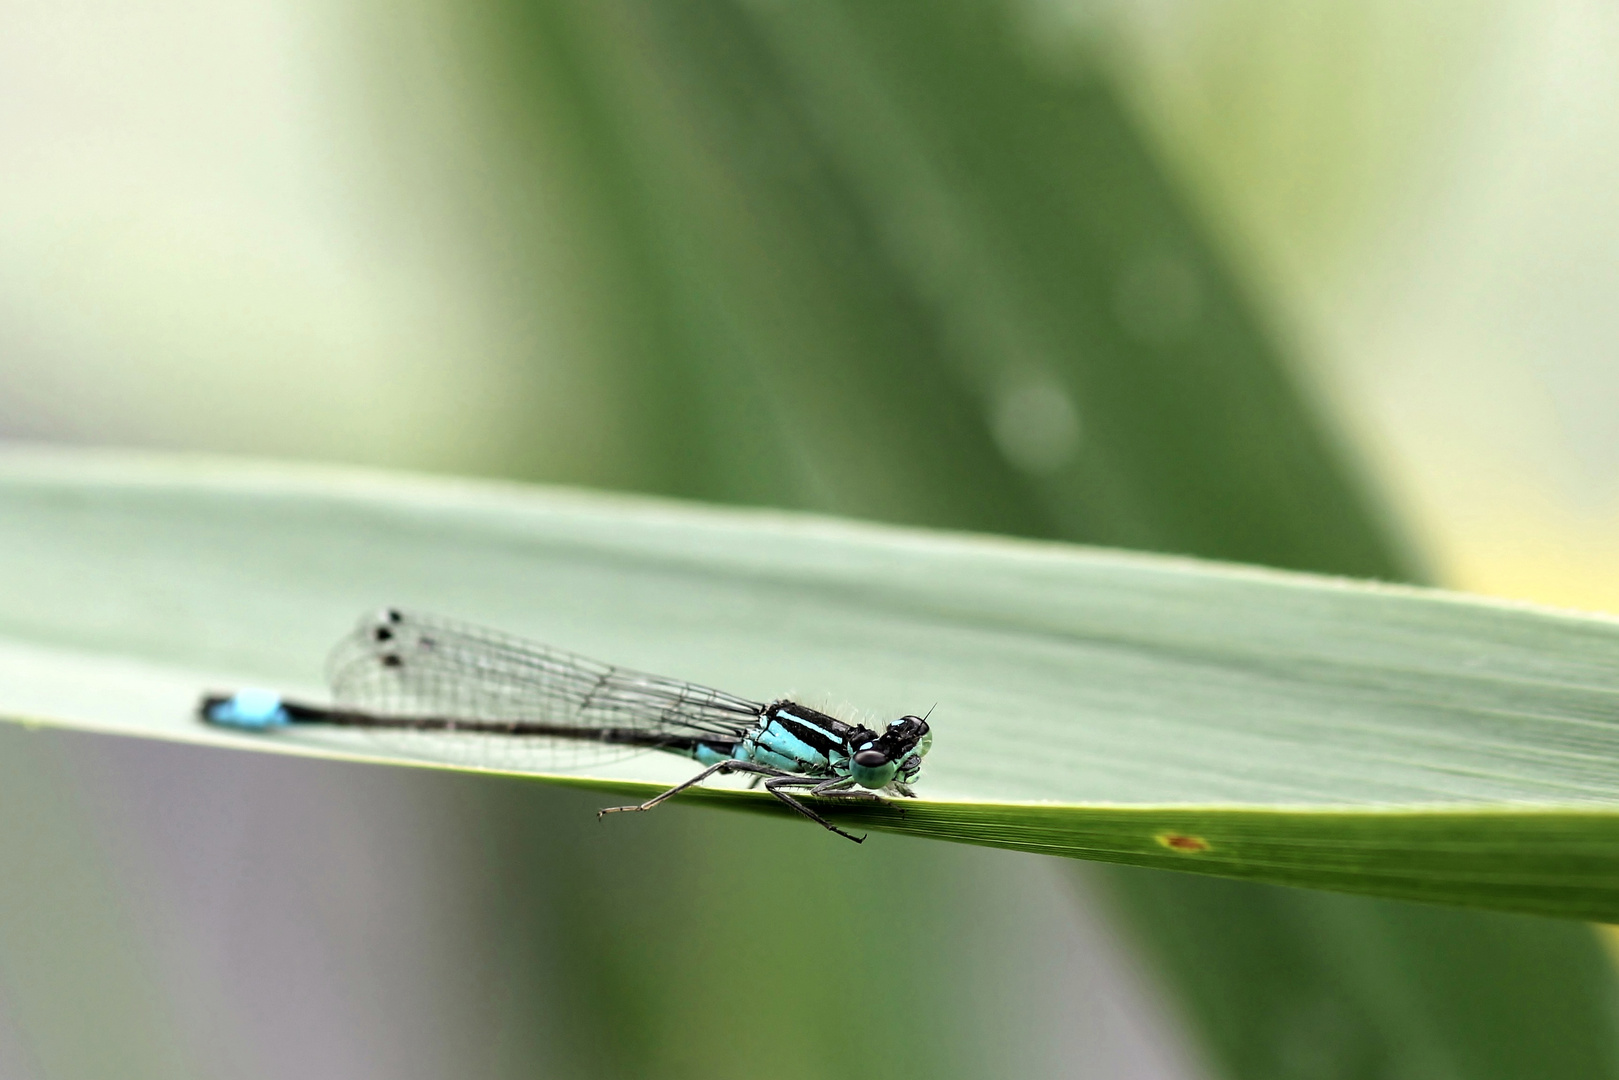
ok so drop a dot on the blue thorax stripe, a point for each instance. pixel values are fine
(816, 729)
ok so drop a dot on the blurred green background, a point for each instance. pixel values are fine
(1323, 286)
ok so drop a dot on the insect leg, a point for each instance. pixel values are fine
(843, 788)
(777, 786)
(722, 768)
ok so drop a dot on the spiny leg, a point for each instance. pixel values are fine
(835, 788)
(843, 788)
(722, 768)
(774, 780)
(777, 786)
(839, 787)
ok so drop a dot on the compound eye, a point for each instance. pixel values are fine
(871, 759)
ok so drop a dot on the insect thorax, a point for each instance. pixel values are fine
(799, 739)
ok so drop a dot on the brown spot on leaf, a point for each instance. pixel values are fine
(1182, 842)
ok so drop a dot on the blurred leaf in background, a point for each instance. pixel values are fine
(920, 280)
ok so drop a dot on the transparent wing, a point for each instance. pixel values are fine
(406, 664)
(402, 663)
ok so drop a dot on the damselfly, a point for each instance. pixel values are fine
(405, 672)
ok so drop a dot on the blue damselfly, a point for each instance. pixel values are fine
(403, 672)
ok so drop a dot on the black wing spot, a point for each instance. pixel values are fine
(391, 660)
(382, 633)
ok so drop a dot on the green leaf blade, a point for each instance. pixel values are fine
(1162, 712)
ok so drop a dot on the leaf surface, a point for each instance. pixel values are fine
(1165, 712)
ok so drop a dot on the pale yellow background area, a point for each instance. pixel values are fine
(1424, 197)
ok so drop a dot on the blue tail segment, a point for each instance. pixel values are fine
(253, 710)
